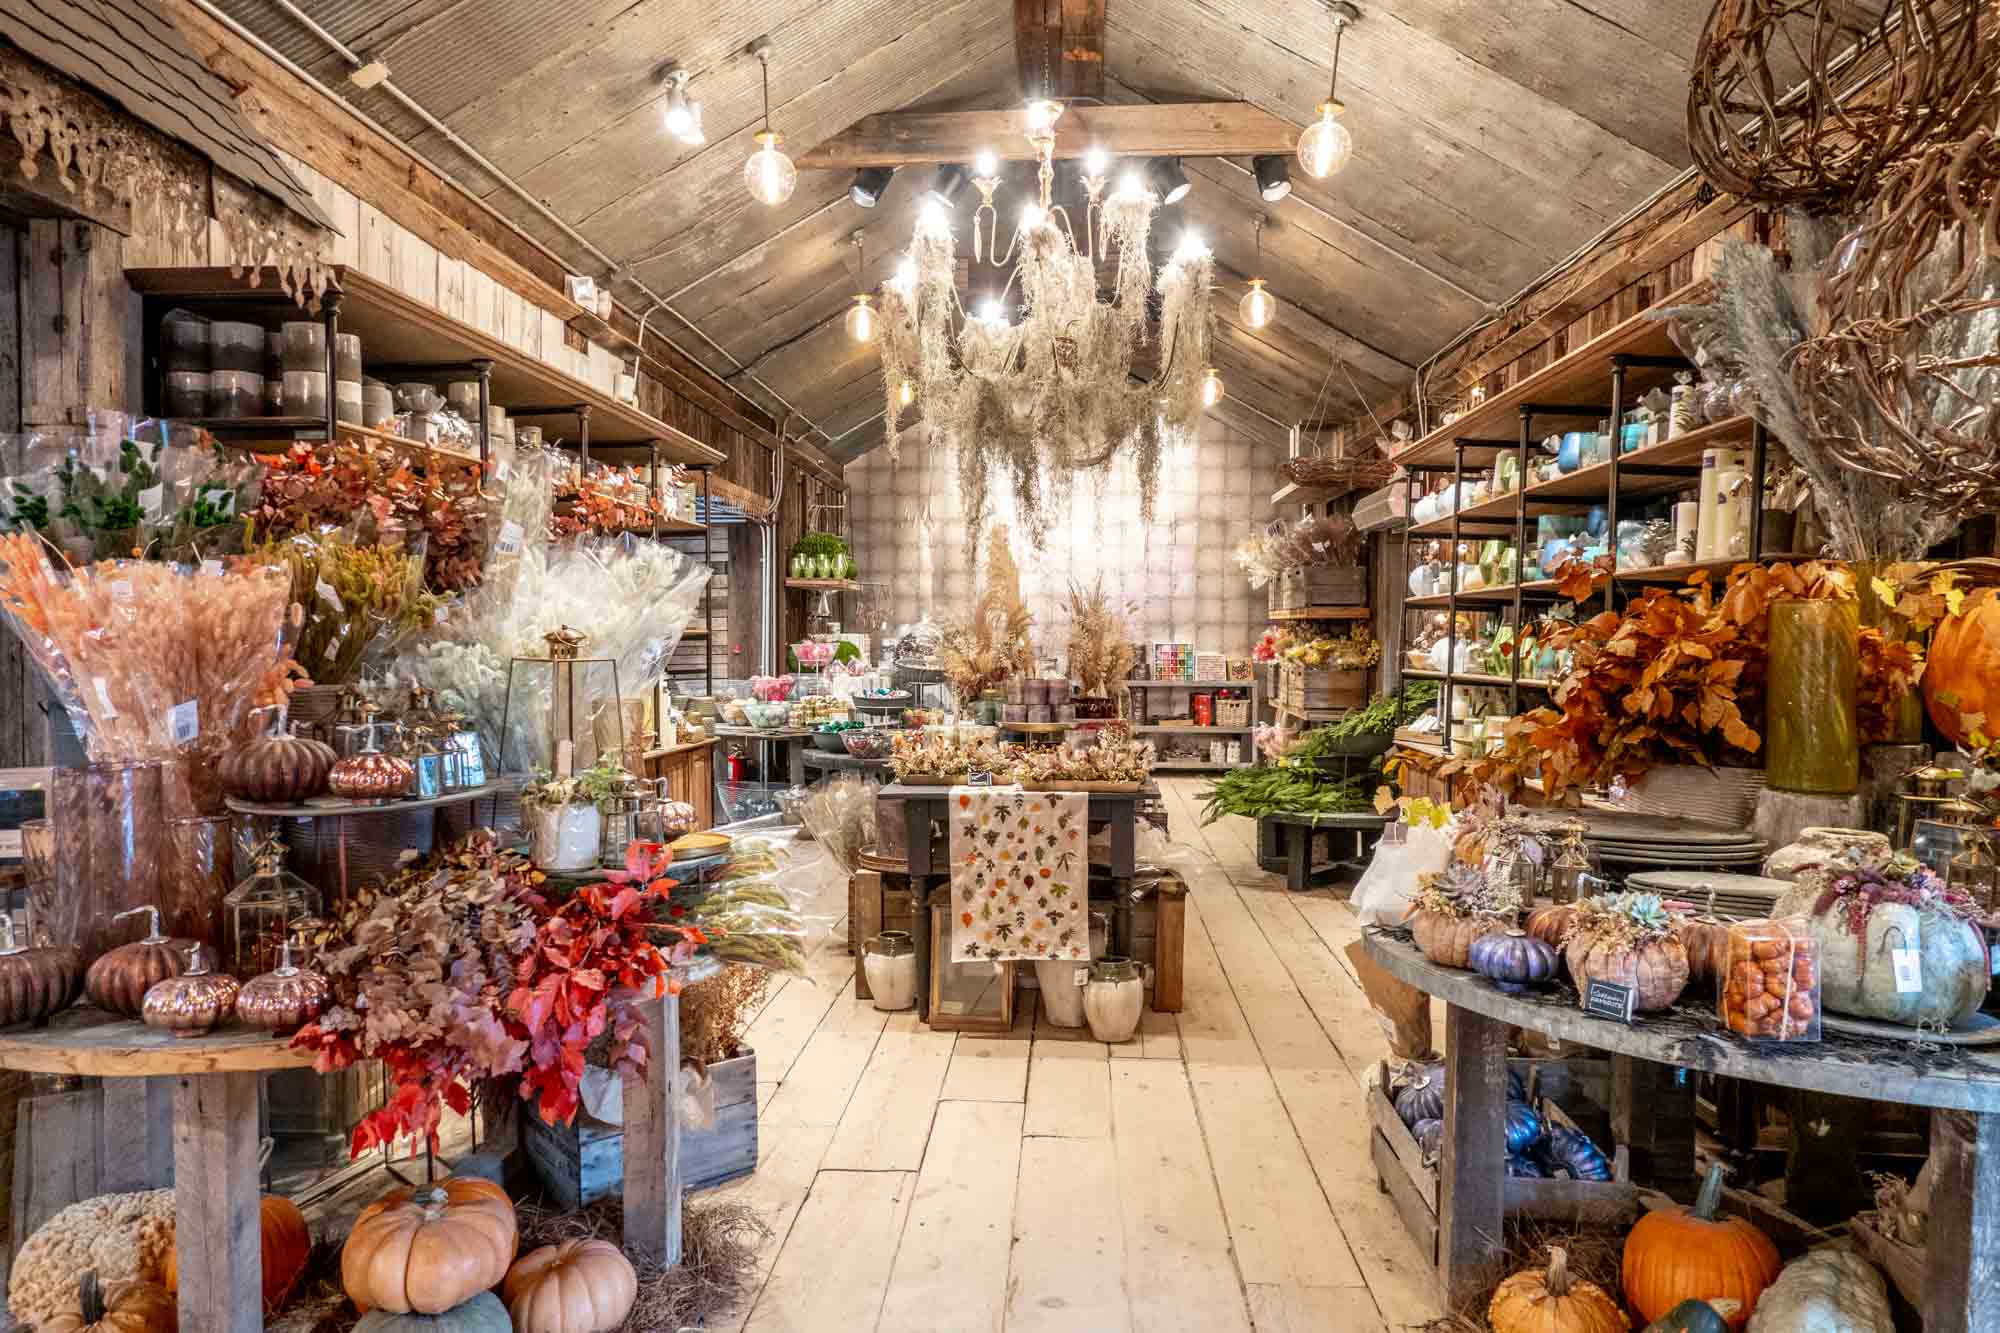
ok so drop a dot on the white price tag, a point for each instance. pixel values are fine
(1909, 970)
(501, 469)
(211, 567)
(1082, 976)
(330, 597)
(109, 709)
(150, 499)
(510, 538)
(225, 503)
(437, 616)
(121, 590)
(184, 721)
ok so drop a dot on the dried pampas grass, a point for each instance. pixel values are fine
(991, 645)
(1100, 642)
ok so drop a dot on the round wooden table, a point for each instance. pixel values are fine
(1961, 1287)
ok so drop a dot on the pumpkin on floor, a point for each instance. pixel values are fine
(1695, 1317)
(579, 1286)
(482, 1314)
(1677, 1254)
(429, 1249)
(284, 1241)
(121, 1307)
(1831, 1290)
(1553, 1302)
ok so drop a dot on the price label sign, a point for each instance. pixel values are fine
(184, 721)
(1608, 999)
(1909, 965)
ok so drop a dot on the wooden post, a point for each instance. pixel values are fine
(865, 922)
(1964, 1223)
(217, 1232)
(1652, 1111)
(1169, 948)
(652, 1143)
(1472, 1176)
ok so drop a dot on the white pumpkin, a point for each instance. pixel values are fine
(1831, 1290)
(1858, 976)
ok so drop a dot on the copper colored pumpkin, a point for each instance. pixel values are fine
(428, 1249)
(277, 769)
(1707, 944)
(192, 1003)
(579, 1286)
(1677, 1254)
(1962, 668)
(1447, 940)
(283, 1000)
(284, 1241)
(1550, 924)
(119, 1307)
(118, 980)
(1655, 969)
(35, 983)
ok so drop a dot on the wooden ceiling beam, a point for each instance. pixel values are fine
(1192, 129)
(1059, 48)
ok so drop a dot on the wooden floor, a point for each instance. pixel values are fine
(1210, 1176)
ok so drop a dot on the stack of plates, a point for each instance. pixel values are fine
(1669, 842)
(1737, 897)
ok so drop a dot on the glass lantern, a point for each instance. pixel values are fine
(1573, 863)
(261, 913)
(1975, 872)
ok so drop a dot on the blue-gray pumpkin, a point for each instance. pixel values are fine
(1525, 1167)
(1430, 1138)
(1571, 1151)
(1512, 960)
(1422, 1097)
(1524, 1129)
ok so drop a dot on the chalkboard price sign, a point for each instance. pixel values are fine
(1608, 999)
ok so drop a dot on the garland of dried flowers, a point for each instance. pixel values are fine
(990, 646)
(939, 757)
(1100, 642)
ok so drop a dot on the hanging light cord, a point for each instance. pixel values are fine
(764, 60)
(1333, 87)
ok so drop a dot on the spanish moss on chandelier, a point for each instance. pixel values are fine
(1063, 390)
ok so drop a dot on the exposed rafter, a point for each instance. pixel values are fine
(1059, 48)
(1193, 129)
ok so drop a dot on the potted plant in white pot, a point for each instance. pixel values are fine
(561, 814)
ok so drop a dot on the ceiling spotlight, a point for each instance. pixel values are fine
(1166, 178)
(949, 183)
(682, 113)
(1326, 143)
(869, 182)
(1274, 177)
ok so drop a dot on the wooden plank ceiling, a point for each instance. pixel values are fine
(1488, 144)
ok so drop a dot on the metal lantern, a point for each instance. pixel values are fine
(263, 911)
(1571, 864)
(565, 721)
(1975, 872)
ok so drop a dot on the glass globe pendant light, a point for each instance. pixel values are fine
(1258, 305)
(1325, 145)
(861, 323)
(768, 173)
(1211, 387)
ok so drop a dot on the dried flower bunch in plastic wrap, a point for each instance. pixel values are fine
(348, 593)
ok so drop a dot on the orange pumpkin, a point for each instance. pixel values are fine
(1680, 1254)
(425, 1250)
(1550, 924)
(1447, 940)
(1962, 668)
(284, 1241)
(579, 1286)
(122, 1307)
(1553, 1302)
(1707, 943)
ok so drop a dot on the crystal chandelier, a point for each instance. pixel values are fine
(1068, 387)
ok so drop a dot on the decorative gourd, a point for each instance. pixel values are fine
(1549, 924)
(482, 1314)
(118, 981)
(1962, 667)
(1512, 960)
(579, 1286)
(1695, 1317)
(1447, 940)
(121, 1307)
(1707, 943)
(284, 1241)
(1424, 1098)
(1831, 1290)
(1525, 1167)
(428, 1249)
(1553, 1302)
(193, 1002)
(1524, 1129)
(1429, 1135)
(283, 1000)
(1857, 973)
(1676, 1254)
(1572, 1151)
(35, 983)
(1656, 969)
(277, 768)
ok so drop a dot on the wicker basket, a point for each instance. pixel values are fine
(1232, 712)
(1358, 472)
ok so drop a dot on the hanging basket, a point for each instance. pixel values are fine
(1357, 472)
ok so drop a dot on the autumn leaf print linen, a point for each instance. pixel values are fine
(1020, 870)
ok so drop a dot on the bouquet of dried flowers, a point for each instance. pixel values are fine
(990, 646)
(1267, 646)
(1356, 650)
(347, 595)
(939, 755)
(1461, 890)
(1257, 556)
(746, 916)
(1109, 759)
(310, 487)
(1100, 643)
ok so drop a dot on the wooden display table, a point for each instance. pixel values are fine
(1285, 843)
(1964, 1094)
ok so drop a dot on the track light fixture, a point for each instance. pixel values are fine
(682, 113)
(1166, 179)
(869, 182)
(1274, 177)
(1326, 143)
(949, 183)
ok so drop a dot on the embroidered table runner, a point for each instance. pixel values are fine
(1020, 869)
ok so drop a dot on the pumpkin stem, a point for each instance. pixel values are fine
(1557, 1281)
(90, 1298)
(1726, 1308)
(1709, 1202)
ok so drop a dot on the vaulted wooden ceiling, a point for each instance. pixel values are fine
(1489, 143)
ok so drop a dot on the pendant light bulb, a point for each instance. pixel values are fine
(1211, 387)
(1258, 305)
(768, 173)
(861, 319)
(906, 393)
(1325, 146)
(1042, 114)
(985, 164)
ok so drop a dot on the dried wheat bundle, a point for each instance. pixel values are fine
(1100, 642)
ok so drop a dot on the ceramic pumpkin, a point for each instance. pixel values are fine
(1526, 1168)
(1962, 667)
(193, 1002)
(284, 1242)
(1656, 969)
(1550, 924)
(120, 1307)
(1553, 1302)
(579, 1286)
(482, 1314)
(1676, 1254)
(35, 983)
(1572, 1151)
(428, 1249)
(118, 980)
(1857, 973)
(283, 1000)
(1512, 960)
(1831, 1290)
(278, 768)
(1423, 1099)
(1447, 940)
(1429, 1135)
(1695, 1317)
(1524, 1128)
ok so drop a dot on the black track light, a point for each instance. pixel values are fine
(949, 183)
(869, 182)
(1274, 176)
(1166, 179)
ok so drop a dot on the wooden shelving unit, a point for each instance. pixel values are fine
(824, 585)
(1322, 613)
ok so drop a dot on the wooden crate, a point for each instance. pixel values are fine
(1330, 585)
(1304, 687)
(876, 901)
(581, 1162)
(1412, 1185)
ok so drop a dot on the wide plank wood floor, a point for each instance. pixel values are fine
(1210, 1177)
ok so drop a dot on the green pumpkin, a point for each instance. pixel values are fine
(1687, 1317)
(482, 1314)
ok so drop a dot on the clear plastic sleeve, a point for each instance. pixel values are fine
(1771, 990)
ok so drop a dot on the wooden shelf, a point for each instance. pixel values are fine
(1192, 765)
(329, 807)
(1322, 613)
(399, 328)
(1678, 573)
(88, 1040)
(694, 632)
(1187, 685)
(1481, 597)
(1037, 728)
(1168, 729)
(824, 585)
(1477, 678)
